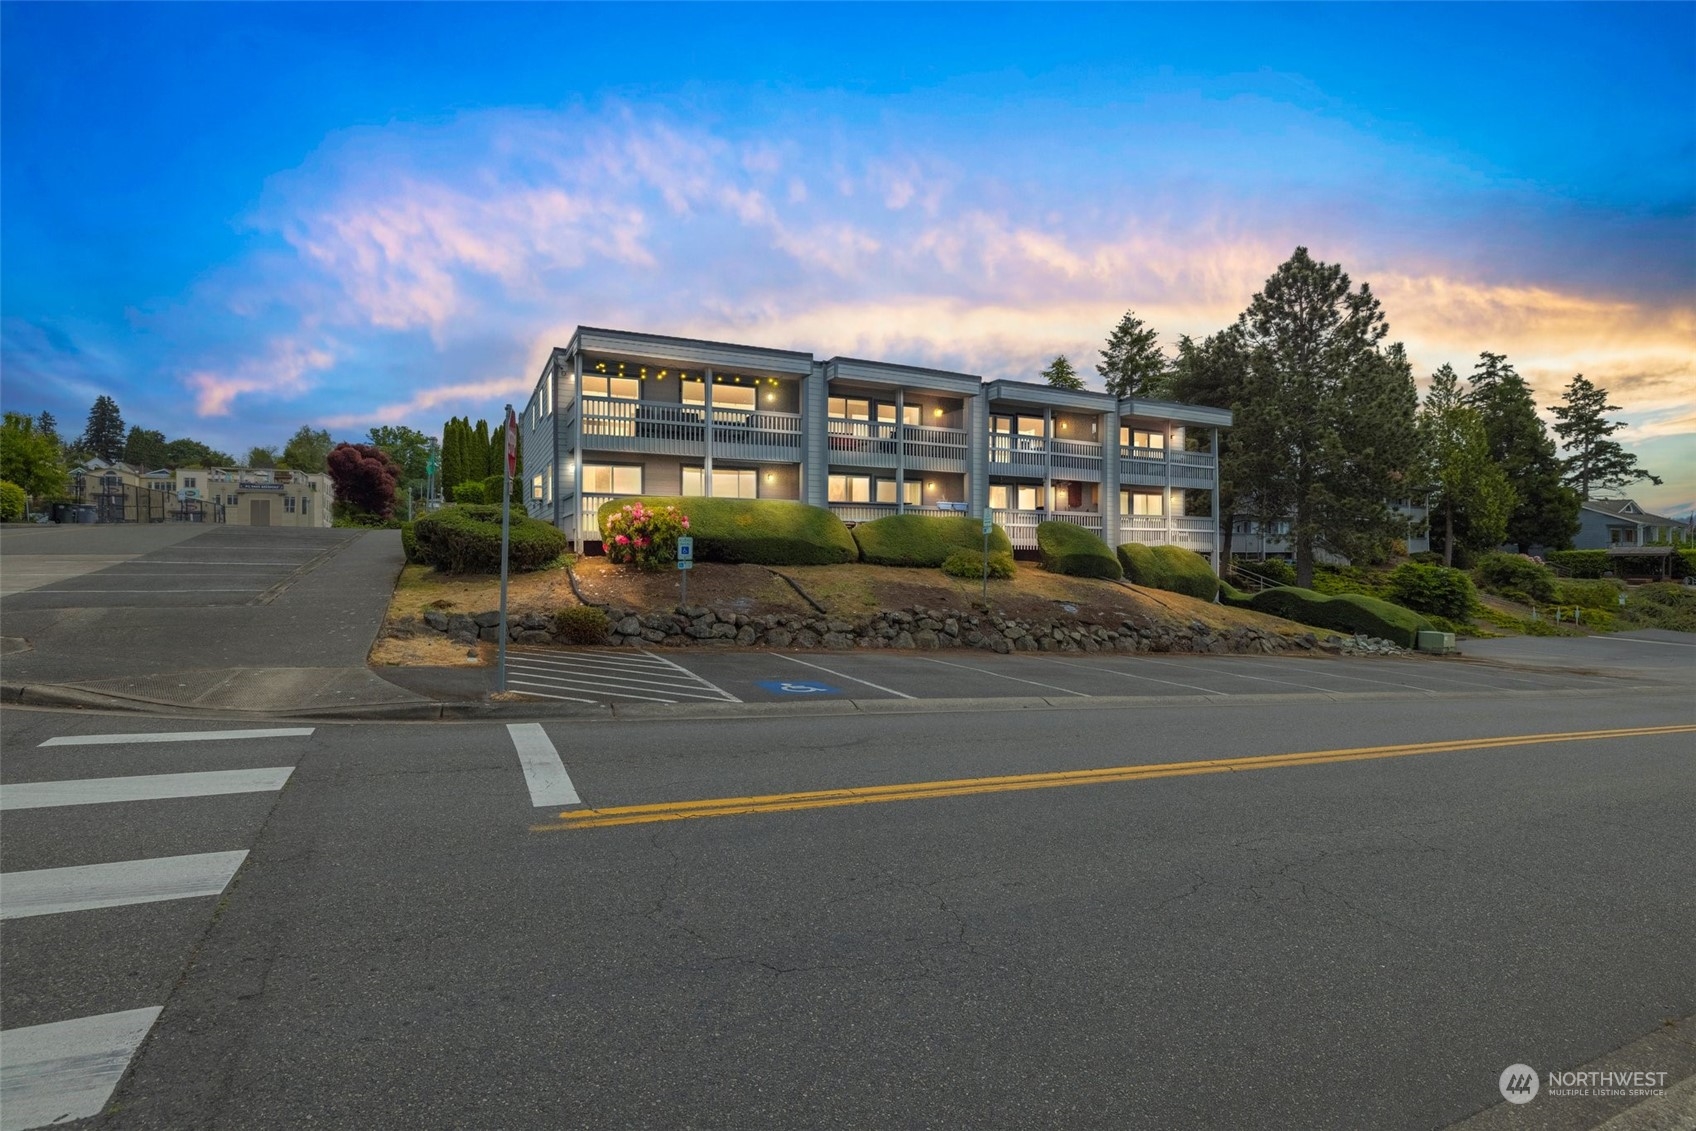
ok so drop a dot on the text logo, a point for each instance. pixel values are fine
(1519, 1084)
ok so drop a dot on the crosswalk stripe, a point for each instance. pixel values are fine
(85, 887)
(142, 787)
(67, 1069)
(178, 736)
(544, 773)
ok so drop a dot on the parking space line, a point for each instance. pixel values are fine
(596, 682)
(591, 690)
(566, 671)
(630, 663)
(177, 736)
(142, 787)
(1134, 675)
(999, 675)
(561, 698)
(692, 675)
(1261, 678)
(1356, 678)
(544, 773)
(841, 675)
(49, 891)
(66, 1070)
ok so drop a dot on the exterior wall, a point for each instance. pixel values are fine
(229, 494)
(796, 445)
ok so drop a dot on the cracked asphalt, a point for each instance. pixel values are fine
(1357, 944)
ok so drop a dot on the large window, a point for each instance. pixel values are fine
(849, 408)
(627, 387)
(1141, 438)
(728, 482)
(914, 492)
(1142, 502)
(998, 496)
(1003, 495)
(850, 489)
(611, 479)
(724, 396)
(1030, 498)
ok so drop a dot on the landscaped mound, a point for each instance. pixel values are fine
(1350, 612)
(924, 539)
(1172, 568)
(757, 531)
(467, 539)
(1070, 549)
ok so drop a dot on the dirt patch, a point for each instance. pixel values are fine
(420, 587)
(398, 648)
(749, 589)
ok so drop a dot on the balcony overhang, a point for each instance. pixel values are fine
(1200, 415)
(1026, 393)
(887, 375)
(689, 352)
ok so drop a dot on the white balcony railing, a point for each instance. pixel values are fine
(926, 445)
(1021, 525)
(876, 442)
(1018, 451)
(659, 426)
(1164, 530)
(850, 438)
(1074, 455)
(870, 512)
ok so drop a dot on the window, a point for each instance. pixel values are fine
(886, 490)
(998, 496)
(288, 504)
(724, 396)
(188, 481)
(849, 408)
(535, 488)
(1001, 424)
(728, 482)
(627, 387)
(1030, 425)
(1141, 502)
(886, 413)
(1140, 438)
(1030, 498)
(912, 414)
(850, 489)
(306, 506)
(611, 479)
(913, 491)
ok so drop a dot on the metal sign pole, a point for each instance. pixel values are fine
(506, 534)
(988, 525)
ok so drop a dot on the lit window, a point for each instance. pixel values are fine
(886, 490)
(998, 496)
(1030, 498)
(913, 491)
(611, 479)
(886, 413)
(1002, 424)
(1030, 425)
(1141, 502)
(850, 489)
(912, 414)
(626, 387)
(849, 408)
(1140, 438)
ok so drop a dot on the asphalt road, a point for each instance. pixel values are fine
(412, 940)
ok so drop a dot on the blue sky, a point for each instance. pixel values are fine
(237, 219)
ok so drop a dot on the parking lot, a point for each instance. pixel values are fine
(170, 565)
(629, 676)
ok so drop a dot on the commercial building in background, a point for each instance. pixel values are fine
(617, 414)
(252, 496)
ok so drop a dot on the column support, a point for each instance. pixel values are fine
(1218, 534)
(901, 452)
(707, 459)
(576, 446)
(1048, 461)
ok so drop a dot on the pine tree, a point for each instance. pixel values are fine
(1325, 428)
(104, 435)
(1473, 495)
(1132, 361)
(1212, 373)
(48, 426)
(1546, 511)
(1596, 462)
(1061, 375)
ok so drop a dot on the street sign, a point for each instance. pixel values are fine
(988, 524)
(511, 442)
(685, 563)
(685, 551)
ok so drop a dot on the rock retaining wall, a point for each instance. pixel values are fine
(916, 628)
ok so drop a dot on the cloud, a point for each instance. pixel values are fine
(285, 370)
(428, 400)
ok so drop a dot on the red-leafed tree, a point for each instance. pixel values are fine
(365, 477)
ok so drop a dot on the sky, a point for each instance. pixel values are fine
(239, 219)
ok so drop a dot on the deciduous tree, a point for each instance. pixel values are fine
(144, 448)
(262, 457)
(410, 448)
(1473, 495)
(1596, 463)
(30, 457)
(364, 476)
(307, 450)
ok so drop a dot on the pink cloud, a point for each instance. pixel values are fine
(285, 370)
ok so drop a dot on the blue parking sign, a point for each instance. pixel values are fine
(798, 687)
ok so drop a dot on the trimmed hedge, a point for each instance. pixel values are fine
(470, 493)
(757, 531)
(969, 563)
(1171, 568)
(582, 624)
(13, 502)
(1350, 613)
(1514, 576)
(409, 541)
(1432, 589)
(467, 539)
(1070, 549)
(924, 539)
(1592, 564)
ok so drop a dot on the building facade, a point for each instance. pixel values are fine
(253, 496)
(1252, 538)
(619, 414)
(1604, 524)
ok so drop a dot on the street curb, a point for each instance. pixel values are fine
(425, 710)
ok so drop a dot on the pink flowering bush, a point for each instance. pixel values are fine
(643, 536)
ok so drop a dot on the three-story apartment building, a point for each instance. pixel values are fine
(620, 414)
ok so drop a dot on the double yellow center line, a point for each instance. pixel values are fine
(961, 787)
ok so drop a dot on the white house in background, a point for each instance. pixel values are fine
(616, 414)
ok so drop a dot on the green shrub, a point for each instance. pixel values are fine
(1276, 571)
(1515, 576)
(1065, 547)
(1350, 613)
(467, 539)
(1234, 597)
(581, 624)
(1432, 589)
(471, 493)
(924, 539)
(1600, 593)
(1427, 557)
(409, 541)
(969, 563)
(494, 485)
(12, 502)
(1580, 563)
(1334, 581)
(1661, 606)
(643, 536)
(1172, 568)
(760, 531)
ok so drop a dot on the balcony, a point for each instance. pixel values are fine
(1021, 525)
(1017, 455)
(851, 513)
(869, 443)
(662, 428)
(1076, 459)
(1168, 530)
(1153, 465)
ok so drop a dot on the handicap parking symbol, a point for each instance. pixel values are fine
(798, 687)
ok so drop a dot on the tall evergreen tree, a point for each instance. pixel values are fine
(1473, 495)
(144, 448)
(104, 434)
(1061, 375)
(454, 444)
(1212, 373)
(48, 425)
(1546, 511)
(1131, 361)
(1596, 463)
(1325, 431)
(480, 461)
